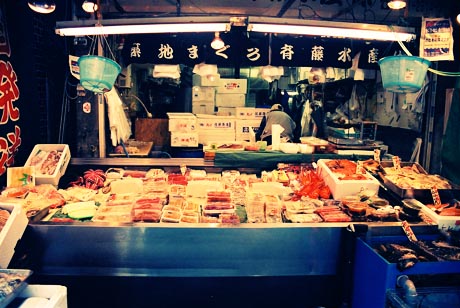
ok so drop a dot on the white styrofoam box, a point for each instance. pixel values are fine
(49, 296)
(203, 94)
(226, 111)
(41, 177)
(443, 222)
(216, 136)
(230, 85)
(206, 81)
(260, 112)
(126, 185)
(343, 188)
(180, 139)
(245, 112)
(12, 231)
(181, 122)
(207, 121)
(244, 127)
(230, 100)
(199, 188)
(203, 107)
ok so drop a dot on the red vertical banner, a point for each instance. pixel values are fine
(10, 133)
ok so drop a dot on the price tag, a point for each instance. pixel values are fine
(436, 197)
(183, 169)
(396, 163)
(360, 168)
(377, 155)
(408, 230)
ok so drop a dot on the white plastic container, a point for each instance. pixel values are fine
(230, 85)
(11, 232)
(41, 178)
(443, 222)
(180, 139)
(230, 100)
(44, 296)
(342, 188)
(181, 122)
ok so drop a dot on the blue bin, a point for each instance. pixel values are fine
(403, 74)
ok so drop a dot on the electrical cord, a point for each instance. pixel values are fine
(149, 115)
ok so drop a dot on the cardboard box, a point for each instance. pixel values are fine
(205, 122)
(203, 107)
(229, 85)
(216, 136)
(203, 94)
(244, 127)
(180, 139)
(11, 232)
(181, 122)
(342, 188)
(206, 81)
(42, 152)
(245, 112)
(230, 100)
(226, 111)
(261, 112)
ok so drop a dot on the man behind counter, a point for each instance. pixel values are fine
(276, 115)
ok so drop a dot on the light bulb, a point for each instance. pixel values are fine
(397, 4)
(89, 6)
(217, 42)
(43, 7)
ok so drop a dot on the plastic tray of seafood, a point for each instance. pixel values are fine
(413, 181)
(50, 162)
(12, 282)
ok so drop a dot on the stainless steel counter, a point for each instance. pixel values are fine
(191, 250)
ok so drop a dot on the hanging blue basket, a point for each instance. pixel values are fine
(98, 74)
(403, 74)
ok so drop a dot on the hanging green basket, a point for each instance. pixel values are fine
(98, 74)
(403, 74)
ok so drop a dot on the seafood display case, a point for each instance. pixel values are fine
(382, 262)
(413, 181)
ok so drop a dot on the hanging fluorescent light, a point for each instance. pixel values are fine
(397, 4)
(331, 29)
(141, 25)
(217, 43)
(89, 6)
(43, 7)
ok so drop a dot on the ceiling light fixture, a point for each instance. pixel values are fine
(331, 29)
(217, 43)
(141, 25)
(89, 6)
(397, 4)
(43, 7)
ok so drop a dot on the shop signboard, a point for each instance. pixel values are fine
(255, 49)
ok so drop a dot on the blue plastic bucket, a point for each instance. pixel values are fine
(98, 74)
(403, 74)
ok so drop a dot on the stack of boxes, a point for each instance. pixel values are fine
(204, 94)
(183, 129)
(233, 122)
(230, 94)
